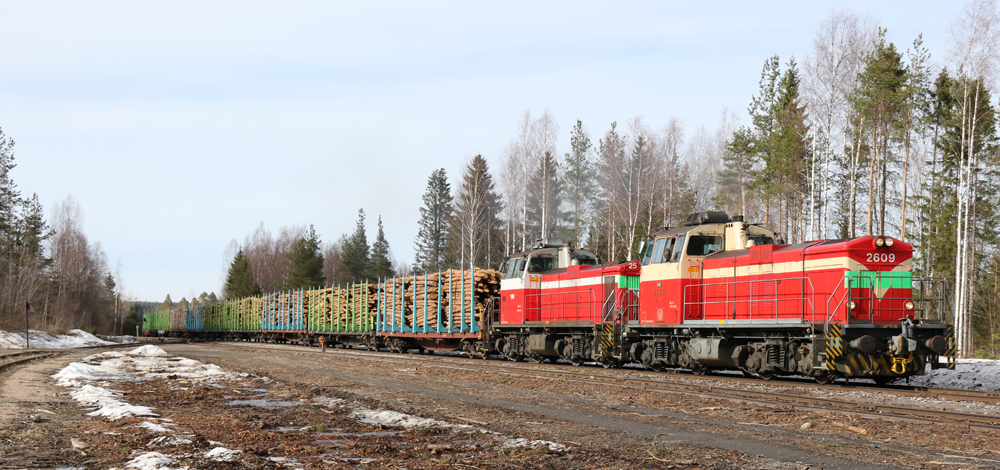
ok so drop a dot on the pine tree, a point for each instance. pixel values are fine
(431, 244)
(9, 194)
(32, 230)
(305, 263)
(737, 171)
(578, 179)
(355, 259)
(380, 266)
(476, 229)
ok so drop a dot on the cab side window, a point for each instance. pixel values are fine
(668, 249)
(678, 249)
(704, 245)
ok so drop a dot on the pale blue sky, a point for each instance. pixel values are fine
(179, 126)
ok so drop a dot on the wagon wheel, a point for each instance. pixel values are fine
(610, 363)
(766, 374)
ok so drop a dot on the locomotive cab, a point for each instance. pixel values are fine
(673, 259)
(521, 281)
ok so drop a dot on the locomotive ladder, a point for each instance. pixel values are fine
(619, 308)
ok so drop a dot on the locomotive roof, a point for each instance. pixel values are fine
(576, 253)
(684, 230)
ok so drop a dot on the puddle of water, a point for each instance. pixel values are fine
(263, 403)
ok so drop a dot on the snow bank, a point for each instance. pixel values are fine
(43, 340)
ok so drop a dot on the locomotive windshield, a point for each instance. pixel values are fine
(513, 268)
(541, 263)
(761, 240)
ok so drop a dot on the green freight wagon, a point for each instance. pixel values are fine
(156, 323)
(342, 314)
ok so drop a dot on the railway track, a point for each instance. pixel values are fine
(13, 358)
(619, 378)
(9, 360)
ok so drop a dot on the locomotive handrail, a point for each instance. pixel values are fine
(866, 281)
(592, 303)
(808, 296)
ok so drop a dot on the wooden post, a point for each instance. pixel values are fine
(27, 331)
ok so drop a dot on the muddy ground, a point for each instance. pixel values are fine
(600, 428)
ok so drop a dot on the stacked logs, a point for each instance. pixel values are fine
(460, 301)
(342, 308)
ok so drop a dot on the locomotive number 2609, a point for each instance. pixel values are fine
(881, 258)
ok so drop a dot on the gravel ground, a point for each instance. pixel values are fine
(599, 427)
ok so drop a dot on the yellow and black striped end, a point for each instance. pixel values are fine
(608, 340)
(952, 350)
(834, 346)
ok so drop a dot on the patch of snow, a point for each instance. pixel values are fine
(150, 461)
(395, 418)
(222, 454)
(165, 441)
(969, 374)
(531, 444)
(329, 402)
(43, 340)
(149, 351)
(107, 403)
(153, 427)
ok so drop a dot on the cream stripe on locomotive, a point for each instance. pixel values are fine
(507, 284)
(811, 265)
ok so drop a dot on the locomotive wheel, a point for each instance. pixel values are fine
(609, 363)
(882, 381)
(514, 357)
(766, 374)
(825, 379)
(699, 369)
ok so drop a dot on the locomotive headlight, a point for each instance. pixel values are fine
(879, 242)
(888, 241)
(908, 305)
(854, 305)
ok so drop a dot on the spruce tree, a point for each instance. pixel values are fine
(431, 244)
(380, 266)
(305, 263)
(166, 304)
(238, 281)
(354, 256)
(578, 179)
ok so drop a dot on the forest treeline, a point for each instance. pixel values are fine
(52, 266)
(865, 136)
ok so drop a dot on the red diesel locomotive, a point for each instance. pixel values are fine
(719, 293)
